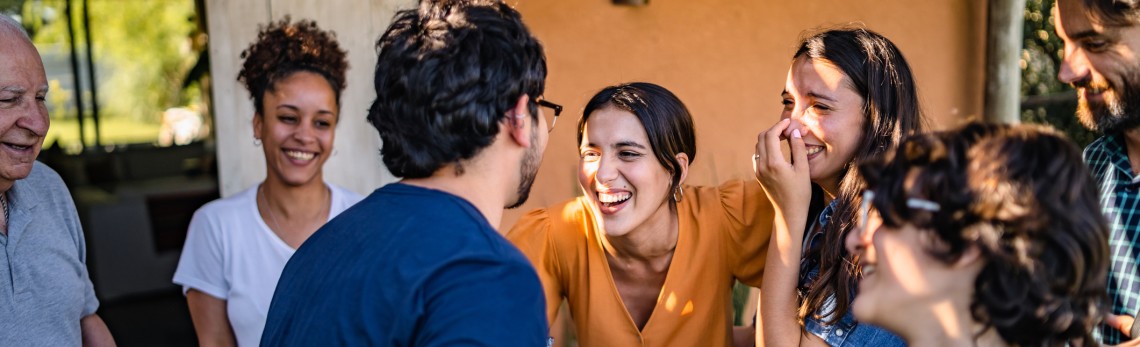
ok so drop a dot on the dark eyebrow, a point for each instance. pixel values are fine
(1085, 34)
(298, 109)
(619, 144)
(821, 96)
(628, 144)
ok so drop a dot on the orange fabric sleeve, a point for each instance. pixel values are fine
(531, 234)
(749, 214)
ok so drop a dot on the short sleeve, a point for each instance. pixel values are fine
(749, 215)
(90, 302)
(483, 302)
(531, 234)
(202, 266)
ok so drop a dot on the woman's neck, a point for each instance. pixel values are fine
(830, 190)
(296, 201)
(949, 324)
(654, 238)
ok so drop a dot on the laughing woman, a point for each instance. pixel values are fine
(236, 247)
(642, 258)
(849, 97)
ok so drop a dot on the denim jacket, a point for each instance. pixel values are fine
(846, 331)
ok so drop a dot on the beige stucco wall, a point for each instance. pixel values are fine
(727, 59)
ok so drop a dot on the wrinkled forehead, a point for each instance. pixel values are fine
(19, 54)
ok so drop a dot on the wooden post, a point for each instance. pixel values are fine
(1003, 53)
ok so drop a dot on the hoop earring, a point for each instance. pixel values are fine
(256, 142)
(678, 194)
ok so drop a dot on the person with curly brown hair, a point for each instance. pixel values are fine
(237, 246)
(989, 235)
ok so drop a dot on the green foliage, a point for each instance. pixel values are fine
(1046, 99)
(142, 50)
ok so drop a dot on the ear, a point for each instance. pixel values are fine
(683, 165)
(257, 120)
(518, 119)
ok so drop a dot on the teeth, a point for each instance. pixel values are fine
(607, 198)
(298, 155)
(868, 269)
(814, 150)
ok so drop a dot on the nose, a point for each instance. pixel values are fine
(305, 132)
(606, 171)
(857, 240)
(34, 118)
(1074, 66)
(796, 118)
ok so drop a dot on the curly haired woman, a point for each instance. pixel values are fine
(990, 235)
(236, 247)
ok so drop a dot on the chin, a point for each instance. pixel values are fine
(614, 228)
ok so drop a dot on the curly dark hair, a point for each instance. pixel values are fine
(446, 75)
(284, 48)
(881, 76)
(666, 120)
(1023, 196)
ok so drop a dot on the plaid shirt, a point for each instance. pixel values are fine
(1108, 161)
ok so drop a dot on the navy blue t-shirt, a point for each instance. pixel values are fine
(408, 266)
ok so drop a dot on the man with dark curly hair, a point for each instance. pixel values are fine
(46, 297)
(1102, 40)
(419, 262)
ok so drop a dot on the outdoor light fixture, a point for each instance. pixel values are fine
(631, 2)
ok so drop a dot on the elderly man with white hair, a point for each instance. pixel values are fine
(46, 296)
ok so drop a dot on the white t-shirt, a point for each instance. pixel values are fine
(231, 254)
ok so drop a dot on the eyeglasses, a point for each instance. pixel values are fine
(914, 203)
(550, 119)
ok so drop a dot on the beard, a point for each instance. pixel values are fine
(1119, 108)
(528, 170)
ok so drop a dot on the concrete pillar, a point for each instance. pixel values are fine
(1003, 51)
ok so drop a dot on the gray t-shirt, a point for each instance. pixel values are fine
(44, 286)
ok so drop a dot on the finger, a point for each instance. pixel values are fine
(772, 155)
(799, 151)
(1123, 323)
(762, 140)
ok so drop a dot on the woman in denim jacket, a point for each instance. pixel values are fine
(849, 96)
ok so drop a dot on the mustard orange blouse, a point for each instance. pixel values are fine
(723, 235)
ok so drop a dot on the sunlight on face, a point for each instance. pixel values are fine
(822, 104)
(619, 172)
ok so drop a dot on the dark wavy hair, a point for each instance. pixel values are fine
(666, 120)
(1114, 12)
(446, 75)
(878, 72)
(1023, 196)
(284, 48)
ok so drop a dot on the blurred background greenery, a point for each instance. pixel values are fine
(1044, 98)
(148, 57)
